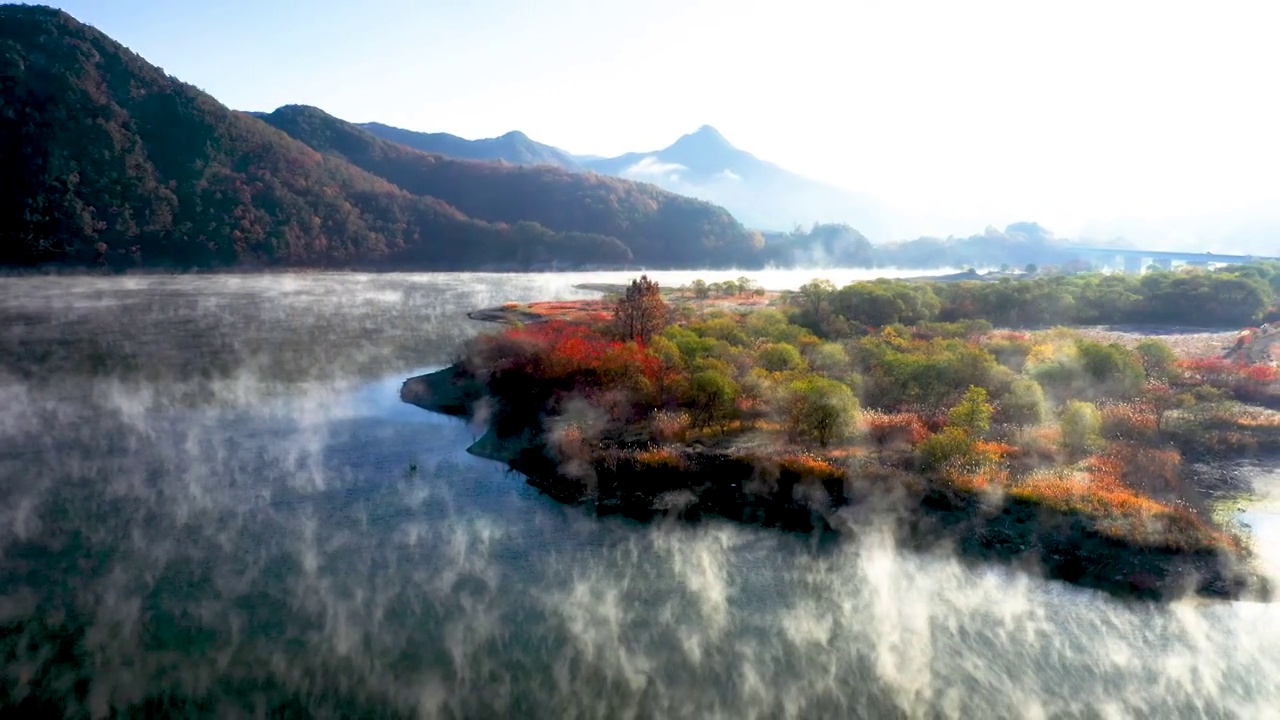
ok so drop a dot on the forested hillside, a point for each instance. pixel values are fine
(109, 161)
(660, 227)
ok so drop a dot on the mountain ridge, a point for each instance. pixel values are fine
(702, 164)
(114, 163)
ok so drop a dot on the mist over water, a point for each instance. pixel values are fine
(209, 506)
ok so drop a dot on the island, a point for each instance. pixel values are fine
(1090, 456)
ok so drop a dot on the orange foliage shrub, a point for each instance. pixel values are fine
(983, 478)
(1239, 378)
(1040, 443)
(894, 428)
(987, 452)
(568, 349)
(1128, 421)
(662, 458)
(1116, 510)
(1152, 470)
(810, 467)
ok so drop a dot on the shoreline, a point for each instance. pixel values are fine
(749, 488)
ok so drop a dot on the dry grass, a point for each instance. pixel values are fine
(811, 467)
(982, 479)
(1095, 490)
(661, 458)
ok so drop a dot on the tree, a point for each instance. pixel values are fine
(1024, 404)
(714, 397)
(815, 294)
(1157, 358)
(641, 312)
(820, 409)
(700, 289)
(972, 414)
(1163, 400)
(779, 357)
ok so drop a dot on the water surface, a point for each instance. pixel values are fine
(212, 503)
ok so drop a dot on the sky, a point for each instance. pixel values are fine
(1085, 116)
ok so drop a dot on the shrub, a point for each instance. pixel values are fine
(1024, 404)
(1117, 511)
(951, 447)
(662, 458)
(1081, 427)
(1128, 421)
(1113, 366)
(809, 467)
(667, 426)
(894, 428)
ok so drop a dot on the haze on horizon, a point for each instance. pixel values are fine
(1152, 120)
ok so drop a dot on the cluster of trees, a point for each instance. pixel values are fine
(733, 369)
(111, 162)
(1232, 296)
(1048, 417)
(840, 245)
(702, 290)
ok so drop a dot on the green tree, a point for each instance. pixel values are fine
(1024, 404)
(779, 357)
(700, 289)
(713, 396)
(820, 409)
(815, 295)
(1113, 366)
(830, 359)
(973, 413)
(1157, 358)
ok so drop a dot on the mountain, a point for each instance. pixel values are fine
(702, 164)
(660, 228)
(705, 165)
(514, 147)
(110, 161)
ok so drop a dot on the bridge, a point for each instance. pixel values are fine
(1135, 261)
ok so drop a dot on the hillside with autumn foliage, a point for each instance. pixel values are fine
(112, 163)
(1039, 444)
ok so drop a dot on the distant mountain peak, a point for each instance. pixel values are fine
(704, 137)
(516, 135)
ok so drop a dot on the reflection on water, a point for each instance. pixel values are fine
(212, 503)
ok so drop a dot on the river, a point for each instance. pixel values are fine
(212, 503)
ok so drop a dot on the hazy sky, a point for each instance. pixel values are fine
(1063, 112)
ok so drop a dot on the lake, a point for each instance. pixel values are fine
(213, 503)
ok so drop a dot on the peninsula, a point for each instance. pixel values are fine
(832, 409)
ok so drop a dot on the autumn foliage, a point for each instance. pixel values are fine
(640, 313)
